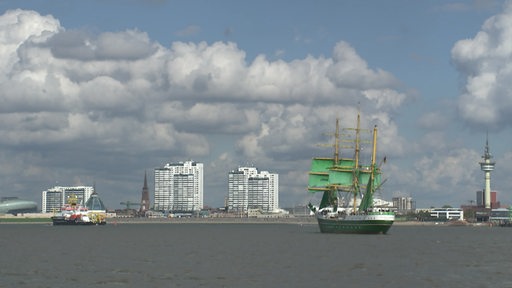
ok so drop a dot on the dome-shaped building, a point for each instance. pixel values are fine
(94, 203)
(96, 210)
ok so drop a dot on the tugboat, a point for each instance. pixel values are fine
(73, 213)
(348, 188)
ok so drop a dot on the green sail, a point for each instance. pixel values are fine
(329, 177)
(367, 200)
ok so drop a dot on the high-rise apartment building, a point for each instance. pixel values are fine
(404, 204)
(179, 187)
(54, 198)
(250, 189)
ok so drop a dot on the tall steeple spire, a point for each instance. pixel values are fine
(144, 203)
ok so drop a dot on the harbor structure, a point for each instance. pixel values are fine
(249, 188)
(179, 187)
(144, 202)
(447, 213)
(487, 166)
(55, 198)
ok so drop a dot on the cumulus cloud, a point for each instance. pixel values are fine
(120, 94)
(484, 63)
(444, 175)
(18, 27)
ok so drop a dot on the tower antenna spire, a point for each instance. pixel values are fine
(487, 166)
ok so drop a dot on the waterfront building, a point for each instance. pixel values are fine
(238, 185)
(179, 187)
(250, 189)
(54, 198)
(403, 204)
(501, 215)
(447, 213)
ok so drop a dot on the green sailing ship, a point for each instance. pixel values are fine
(348, 188)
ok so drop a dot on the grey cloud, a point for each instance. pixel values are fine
(80, 45)
(127, 45)
(72, 45)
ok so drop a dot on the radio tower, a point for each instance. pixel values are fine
(487, 166)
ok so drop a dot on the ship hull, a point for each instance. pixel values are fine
(60, 220)
(357, 224)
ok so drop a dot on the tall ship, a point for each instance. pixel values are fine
(348, 186)
(74, 213)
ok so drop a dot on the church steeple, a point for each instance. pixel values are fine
(144, 203)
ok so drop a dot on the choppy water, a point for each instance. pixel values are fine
(252, 255)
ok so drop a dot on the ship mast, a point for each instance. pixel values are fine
(337, 142)
(356, 163)
(374, 156)
(374, 151)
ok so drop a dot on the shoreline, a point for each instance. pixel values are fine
(224, 220)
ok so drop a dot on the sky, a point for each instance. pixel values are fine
(102, 92)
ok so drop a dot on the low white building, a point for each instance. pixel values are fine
(447, 213)
(501, 215)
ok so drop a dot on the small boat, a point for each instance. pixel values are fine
(348, 188)
(74, 213)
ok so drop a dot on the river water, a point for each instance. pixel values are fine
(252, 255)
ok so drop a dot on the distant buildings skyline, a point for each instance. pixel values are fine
(179, 186)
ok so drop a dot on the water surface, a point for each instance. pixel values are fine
(252, 255)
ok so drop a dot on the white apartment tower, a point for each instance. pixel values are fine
(403, 204)
(179, 187)
(250, 189)
(54, 198)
